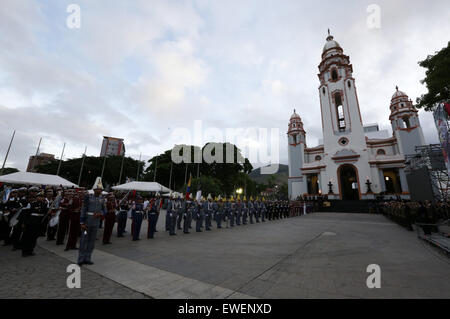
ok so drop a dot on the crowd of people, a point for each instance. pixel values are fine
(407, 213)
(72, 216)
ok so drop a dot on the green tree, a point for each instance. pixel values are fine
(437, 79)
(207, 184)
(9, 170)
(224, 173)
(283, 191)
(70, 170)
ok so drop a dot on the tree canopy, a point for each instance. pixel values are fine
(437, 79)
(70, 170)
(9, 170)
(216, 177)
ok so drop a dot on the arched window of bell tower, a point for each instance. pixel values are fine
(406, 122)
(339, 112)
(334, 75)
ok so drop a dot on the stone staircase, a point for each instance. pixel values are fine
(348, 206)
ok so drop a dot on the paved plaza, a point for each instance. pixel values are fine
(321, 255)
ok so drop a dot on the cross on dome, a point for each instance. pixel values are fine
(329, 37)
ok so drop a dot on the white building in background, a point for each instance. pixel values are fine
(112, 146)
(351, 156)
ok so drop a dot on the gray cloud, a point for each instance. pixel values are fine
(139, 70)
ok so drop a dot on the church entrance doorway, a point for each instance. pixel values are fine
(348, 182)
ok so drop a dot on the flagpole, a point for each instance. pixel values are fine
(121, 167)
(7, 152)
(103, 167)
(156, 166)
(37, 152)
(185, 176)
(60, 160)
(82, 164)
(139, 165)
(170, 176)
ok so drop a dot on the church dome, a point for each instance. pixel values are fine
(330, 44)
(295, 116)
(295, 124)
(399, 94)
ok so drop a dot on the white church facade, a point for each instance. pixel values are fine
(354, 161)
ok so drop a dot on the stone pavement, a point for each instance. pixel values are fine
(149, 280)
(321, 255)
(44, 276)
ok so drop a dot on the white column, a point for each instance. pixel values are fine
(403, 181)
(382, 183)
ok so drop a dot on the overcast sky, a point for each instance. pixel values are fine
(141, 69)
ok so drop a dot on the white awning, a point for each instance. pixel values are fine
(28, 178)
(91, 191)
(142, 187)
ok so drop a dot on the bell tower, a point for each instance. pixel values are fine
(405, 123)
(341, 116)
(296, 148)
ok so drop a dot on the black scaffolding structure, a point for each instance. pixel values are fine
(429, 161)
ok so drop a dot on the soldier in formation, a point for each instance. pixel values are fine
(69, 215)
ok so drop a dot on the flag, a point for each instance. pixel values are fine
(447, 108)
(6, 194)
(188, 190)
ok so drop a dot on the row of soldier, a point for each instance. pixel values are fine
(59, 214)
(407, 213)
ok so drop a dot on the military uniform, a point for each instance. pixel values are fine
(31, 219)
(168, 210)
(251, 211)
(208, 210)
(238, 212)
(232, 213)
(179, 213)
(198, 217)
(74, 219)
(64, 218)
(187, 216)
(92, 210)
(137, 215)
(220, 212)
(257, 210)
(52, 206)
(152, 216)
(3, 221)
(122, 217)
(263, 209)
(245, 212)
(10, 208)
(227, 211)
(176, 209)
(21, 206)
(110, 219)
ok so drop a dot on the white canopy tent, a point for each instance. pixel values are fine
(174, 193)
(91, 191)
(28, 178)
(142, 187)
